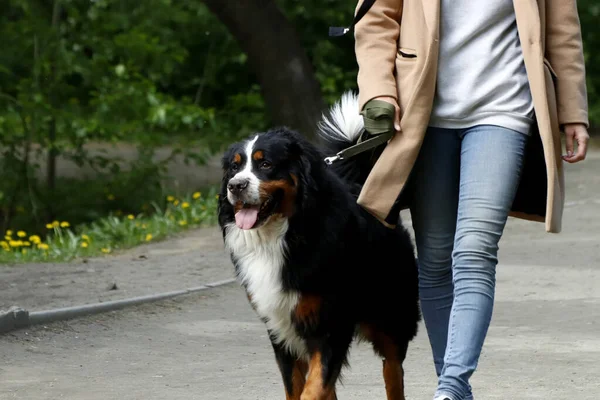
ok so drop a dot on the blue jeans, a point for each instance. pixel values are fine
(464, 182)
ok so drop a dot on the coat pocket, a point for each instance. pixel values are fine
(405, 52)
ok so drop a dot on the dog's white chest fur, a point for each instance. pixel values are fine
(260, 254)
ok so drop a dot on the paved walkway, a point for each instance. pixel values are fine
(544, 342)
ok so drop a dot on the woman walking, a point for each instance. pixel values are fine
(482, 91)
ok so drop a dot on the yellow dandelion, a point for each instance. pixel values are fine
(84, 245)
(185, 204)
(27, 244)
(148, 237)
(196, 195)
(130, 216)
(9, 233)
(176, 202)
(43, 246)
(15, 243)
(4, 244)
(105, 250)
(85, 237)
(110, 197)
(217, 197)
(55, 224)
(24, 251)
(183, 222)
(21, 234)
(170, 198)
(35, 239)
(8, 237)
(49, 226)
(64, 224)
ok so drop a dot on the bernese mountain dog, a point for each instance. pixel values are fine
(317, 268)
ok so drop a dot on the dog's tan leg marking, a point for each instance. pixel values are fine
(393, 373)
(298, 380)
(332, 396)
(315, 388)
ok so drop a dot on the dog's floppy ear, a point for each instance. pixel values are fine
(225, 164)
(306, 163)
(224, 208)
(227, 156)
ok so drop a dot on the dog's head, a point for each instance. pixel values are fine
(266, 177)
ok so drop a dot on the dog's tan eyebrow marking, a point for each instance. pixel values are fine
(258, 155)
(237, 158)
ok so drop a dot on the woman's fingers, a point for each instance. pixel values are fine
(397, 118)
(581, 150)
(570, 136)
(576, 133)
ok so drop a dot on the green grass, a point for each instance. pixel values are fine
(110, 233)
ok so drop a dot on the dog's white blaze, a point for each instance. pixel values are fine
(345, 121)
(261, 256)
(252, 192)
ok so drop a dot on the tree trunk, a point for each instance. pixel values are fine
(275, 54)
(52, 152)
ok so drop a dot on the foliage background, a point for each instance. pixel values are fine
(152, 73)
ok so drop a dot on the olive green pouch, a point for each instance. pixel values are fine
(378, 117)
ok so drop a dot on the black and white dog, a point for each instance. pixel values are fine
(317, 268)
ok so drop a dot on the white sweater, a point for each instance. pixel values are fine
(481, 74)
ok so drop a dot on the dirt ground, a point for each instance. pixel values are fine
(544, 343)
(189, 260)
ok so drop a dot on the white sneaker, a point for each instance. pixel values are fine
(443, 397)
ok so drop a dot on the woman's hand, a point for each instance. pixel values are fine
(393, 102)
(576, 133)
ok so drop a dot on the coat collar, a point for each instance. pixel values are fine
(431, 10)
(528, 21)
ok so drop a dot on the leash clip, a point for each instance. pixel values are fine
(331, 160)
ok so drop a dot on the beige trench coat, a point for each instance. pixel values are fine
(550, 36)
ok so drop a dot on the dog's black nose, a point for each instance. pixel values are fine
(237, 187)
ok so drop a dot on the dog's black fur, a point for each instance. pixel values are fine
(361, 275)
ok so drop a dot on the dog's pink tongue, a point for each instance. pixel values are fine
(246, 217)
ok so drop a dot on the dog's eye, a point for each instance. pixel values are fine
(265, 165)
(234, 167)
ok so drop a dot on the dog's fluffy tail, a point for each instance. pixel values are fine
(342, 124)
(341, 127)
